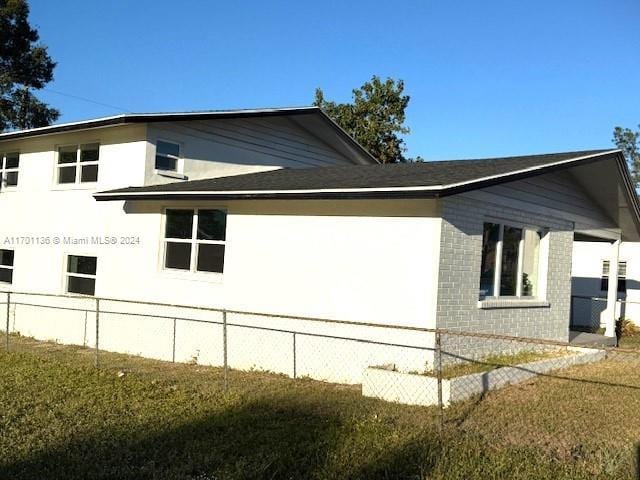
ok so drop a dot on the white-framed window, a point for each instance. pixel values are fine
(622, 276)
(9, 167)
(78, 163)
(167, 156)
(81, 274)
(510, 264)
(6, 266)
(194, 239)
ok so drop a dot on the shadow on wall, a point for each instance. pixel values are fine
(586, 312)
(264, 439)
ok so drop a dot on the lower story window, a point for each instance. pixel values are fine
(195, 239)
(6, 266)
(81, 274)
(510, 261)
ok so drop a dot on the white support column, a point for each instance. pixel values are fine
(609, 315)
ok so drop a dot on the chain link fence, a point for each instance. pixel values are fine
(449, 371)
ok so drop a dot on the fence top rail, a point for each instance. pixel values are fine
(459, 333)
(223, 310)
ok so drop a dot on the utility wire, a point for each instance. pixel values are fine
(86, 100)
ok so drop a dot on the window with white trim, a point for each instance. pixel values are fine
(622, 276)
(78, 163)
(194, 239)
(6, 266)
(81, 274)
(9, 165)
(510, 265)
(167, 156)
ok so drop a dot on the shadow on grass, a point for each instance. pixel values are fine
(255, 441)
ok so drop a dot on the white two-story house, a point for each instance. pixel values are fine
(280, 212)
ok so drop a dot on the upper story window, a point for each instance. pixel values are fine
(194, 240)
(6, 266)
(510, 261)
(622, 276)
(167, 156)
(81, 274)
(78, 163)
(9, 165)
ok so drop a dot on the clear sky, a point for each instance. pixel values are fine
(486, 77)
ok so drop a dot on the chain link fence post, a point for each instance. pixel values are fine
(438, 368)
(97, 333)
(225, 352)
(295, 366)
(8, 320)
(173, 350)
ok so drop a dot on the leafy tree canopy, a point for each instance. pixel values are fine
(25, 65)
(375, 118)
(629, 142)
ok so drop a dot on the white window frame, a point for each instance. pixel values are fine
(193, 241)
(77, 164)
(9, 267)
(68, 274)
(178, 159)
(622, 274)
(542, 250)
(4, 170)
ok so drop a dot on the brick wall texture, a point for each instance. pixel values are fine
(458, 286)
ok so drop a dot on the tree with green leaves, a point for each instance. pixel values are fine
(25, 65)
(375, 118)
(629, 142)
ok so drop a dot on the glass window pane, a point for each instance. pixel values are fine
(6, 275)
(81, 285)
(211, 224)
(530, 263)
(67, 175)
(12, 160)
(84, 265)
(89, 173)
(67, 154)
(11, 179)
(6, 258)
(490, 237)
(510, 248)
(167, 148)
(89, 153)
(179, 224)
(605, 268)
(210, 257)
(166, 163)
(178, 255)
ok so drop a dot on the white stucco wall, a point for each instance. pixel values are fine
(373, 262)
(587, 272)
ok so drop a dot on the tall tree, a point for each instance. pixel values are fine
(25, 65)
(375, 118)
(629, 142)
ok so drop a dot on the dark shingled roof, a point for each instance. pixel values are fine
(435, 178)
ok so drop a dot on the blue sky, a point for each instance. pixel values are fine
(486, 78)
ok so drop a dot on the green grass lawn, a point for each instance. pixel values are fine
(62, 419)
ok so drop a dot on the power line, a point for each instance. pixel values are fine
(77, 97)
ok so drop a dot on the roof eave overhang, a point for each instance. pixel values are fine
(133, 118)
(368, 193)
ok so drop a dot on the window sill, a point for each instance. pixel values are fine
(495, 303)
(187, 275)
(63, 187)
(170, 174)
